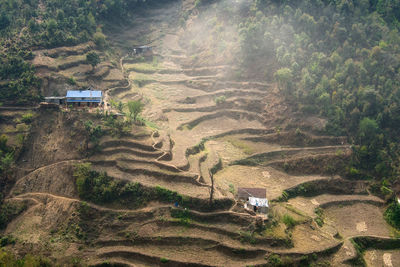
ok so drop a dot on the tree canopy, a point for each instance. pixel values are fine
(135, 108)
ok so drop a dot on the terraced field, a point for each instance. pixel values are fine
(201, 117)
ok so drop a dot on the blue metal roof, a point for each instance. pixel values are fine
(83, 101)
(84, 94)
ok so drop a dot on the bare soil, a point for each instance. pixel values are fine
(199, 112)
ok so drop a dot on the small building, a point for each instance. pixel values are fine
(58, 100)
(143, 50)
(255, 199)
(257, 205)
(84, 98)
(244, 193)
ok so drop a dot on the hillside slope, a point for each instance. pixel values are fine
(209, 126)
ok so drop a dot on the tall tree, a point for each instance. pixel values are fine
(135, 108)
(93, 59)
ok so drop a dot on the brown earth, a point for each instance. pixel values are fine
(198, 112)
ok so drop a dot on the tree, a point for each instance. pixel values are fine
(368, 129)
(88, 127)
(100, 39)
(93, 133)
(4, 21)
(82, 174)
(135, 107)
(93, 59)
(284, 78)
(120, 106)
(7, 163)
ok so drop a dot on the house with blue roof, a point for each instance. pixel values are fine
(84, 98)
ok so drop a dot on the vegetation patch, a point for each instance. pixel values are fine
(241, 144)
(141, 79)
(334, 186)
(6, 157)
(10, 210)
(10, 260)
(319, 219)
(197, 148)
(183, 215)
(7, 240)
(103, 189)
(392, 215)
(143, 67)
(100, 188)
(289, 221)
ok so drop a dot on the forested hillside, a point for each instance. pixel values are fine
(340, 60)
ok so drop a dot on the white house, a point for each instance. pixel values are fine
(257, 204)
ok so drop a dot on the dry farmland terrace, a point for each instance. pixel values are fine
(201, 117)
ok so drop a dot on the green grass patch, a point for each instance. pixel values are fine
(141, 79)
(148, 123)
(289, 221)
(242, 145)
(143, 67)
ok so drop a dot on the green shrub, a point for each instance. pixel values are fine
(180, 214)
(7, 259)
(7, 240)
(216, 167)
(71, 80)
(247, 237)
(392, 215)
(220, 99)
(166, 195)
(274, 260)
(284, 196)
(100, 39)
(164, 260)
(232, 189)
(27, 118)
(289, 221)
(319, 221)
(101, 188)
(22, 127)
(183, 215)
(94, 186)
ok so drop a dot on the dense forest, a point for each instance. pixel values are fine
(340, 60)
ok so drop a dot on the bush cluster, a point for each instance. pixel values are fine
(100, 188)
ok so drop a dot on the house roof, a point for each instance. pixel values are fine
(84, 93)
(54, 97)
(258, 202)
(244, 193)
